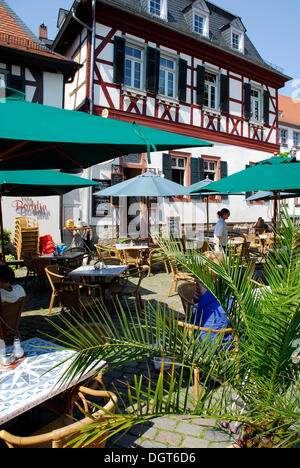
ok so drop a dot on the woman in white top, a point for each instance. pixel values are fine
(221, 232)
(9, 292)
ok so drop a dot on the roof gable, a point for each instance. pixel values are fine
(16, 35)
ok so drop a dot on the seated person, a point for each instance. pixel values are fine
(210, 314)
(10, 292)
(260, 226)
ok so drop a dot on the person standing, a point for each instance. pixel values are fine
(221, 232)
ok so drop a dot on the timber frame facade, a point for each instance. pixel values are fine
(118, 26)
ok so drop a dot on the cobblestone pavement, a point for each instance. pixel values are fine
(163, 432)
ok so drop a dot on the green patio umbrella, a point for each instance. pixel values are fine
(36, 183)
(146, 185)
(35, 136)
(275, 174)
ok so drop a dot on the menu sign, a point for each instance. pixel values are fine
(101, 205)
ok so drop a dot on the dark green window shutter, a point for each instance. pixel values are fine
(224, 94)
(119, 60)
(167, 166)
(266, 107)
(248, 194)
(224, 173)
(152, 70)
(182, 74)
(15, 82)
(200, 85)
(247, 101)
(197, 173)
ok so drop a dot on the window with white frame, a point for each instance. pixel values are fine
(296, 138)
(133, 67)
(236, 40)
(255, 105)
(210, 90)
(199, 24)
(167, 77)
(283, 136)
(178, 170)
(155, 7)
(210, 169)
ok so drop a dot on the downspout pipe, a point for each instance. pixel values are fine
(92, 29)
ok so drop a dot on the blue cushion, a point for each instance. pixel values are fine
(210, 314)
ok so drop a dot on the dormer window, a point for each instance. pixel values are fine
(158, 8)
(198, 24)
(235, 40)
(197, 17)
(155, 6)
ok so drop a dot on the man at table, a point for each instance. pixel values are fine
(10, 292)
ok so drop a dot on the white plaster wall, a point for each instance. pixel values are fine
(53, 89)
(48, 217)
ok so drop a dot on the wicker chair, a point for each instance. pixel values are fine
(28, 262)
(111, 260)
(63, 431)
(156, 256)
(76, 262)
(133, 257)
(177, 275)
(122, 286)
(39, 264)
(10, 314)
(54, 276)
(107, 251)
(71, 297)
(186, 293)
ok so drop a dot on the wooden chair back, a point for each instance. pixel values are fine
(66, 429)
(39, 264)
(11, 312)
(132, 256)
(186, 292)
(54, 275)
(111, 260)
(76, 262)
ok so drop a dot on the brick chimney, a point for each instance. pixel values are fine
(43, 33)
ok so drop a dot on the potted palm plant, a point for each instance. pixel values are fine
(256, 385)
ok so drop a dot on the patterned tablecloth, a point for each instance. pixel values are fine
(36, 379)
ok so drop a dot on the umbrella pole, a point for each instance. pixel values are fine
(148, 218)
(275, 210)
(2, 230)
(207, 216)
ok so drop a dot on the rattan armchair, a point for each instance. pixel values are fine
(123, 286)
(156, 256)
(63, 432)
(28, 262)
(54, 276)
(10, 315)
(71, 295)
(133, 257)
(177, 275)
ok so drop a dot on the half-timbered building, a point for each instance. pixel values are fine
(27, 65)
(185, 66)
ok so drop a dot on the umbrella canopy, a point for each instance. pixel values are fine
(36, 183)
(144, 185)
(40, 183)
(274, 174)
(35, 136)
(267, 195)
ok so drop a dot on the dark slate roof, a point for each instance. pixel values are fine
(218, 19)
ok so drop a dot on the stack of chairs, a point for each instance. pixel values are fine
(27, 237)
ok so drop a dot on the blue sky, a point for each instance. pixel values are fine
(273, 27)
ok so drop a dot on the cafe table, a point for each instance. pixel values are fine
(94, 272)
(37, 378)
(64, 258)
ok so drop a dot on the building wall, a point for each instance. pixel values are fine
(237, 140)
